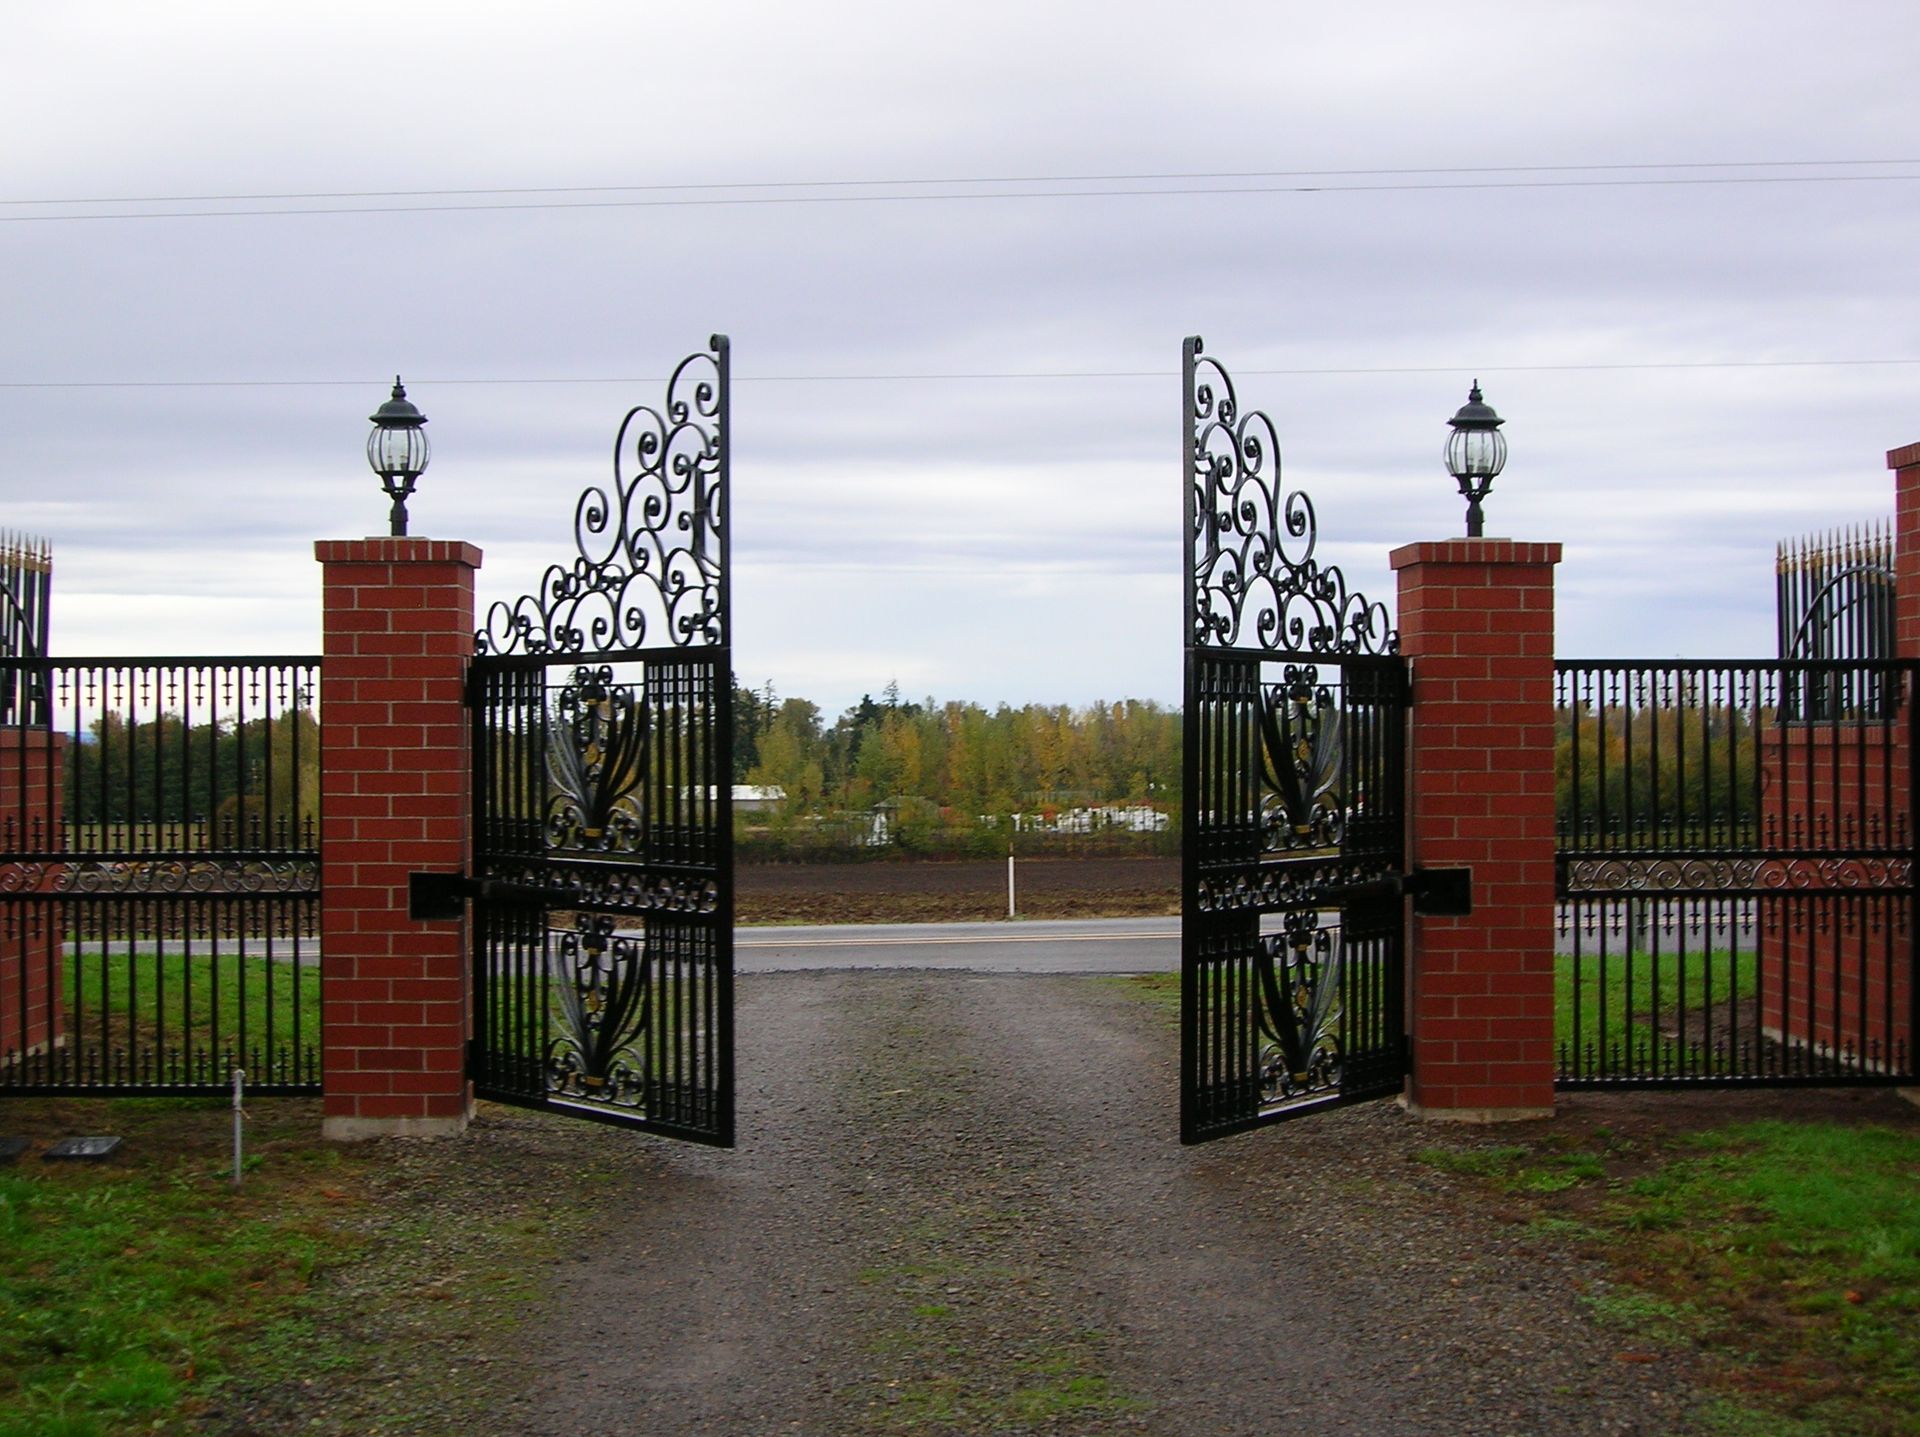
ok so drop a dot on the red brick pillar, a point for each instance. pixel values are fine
(395, 783)
(1905, 464)
(32, 774)
(1476, 620)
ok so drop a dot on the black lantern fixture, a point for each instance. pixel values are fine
(1476, 452)
(398, 450)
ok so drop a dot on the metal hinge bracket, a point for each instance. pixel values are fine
(436, 897)
(1441, 892)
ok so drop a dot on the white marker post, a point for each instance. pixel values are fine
(239, 1114)
(1009, 880)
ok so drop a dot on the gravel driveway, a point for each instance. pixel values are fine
(959, 1206)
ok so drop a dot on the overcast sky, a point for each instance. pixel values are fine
(1676, 244)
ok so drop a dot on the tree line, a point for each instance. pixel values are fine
(256, 783)
(935, 767)
(954, 763)
(1620, 769)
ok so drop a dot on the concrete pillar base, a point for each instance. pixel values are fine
(1474, 1115)
(360, 1130)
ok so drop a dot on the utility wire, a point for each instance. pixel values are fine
(956, 195)
(953, 180)
(935, 377)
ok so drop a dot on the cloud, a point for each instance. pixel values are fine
(984, 538)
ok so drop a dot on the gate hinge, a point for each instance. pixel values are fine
(1441, 892)
(1436, 892)
(442, 897)
(436, 897)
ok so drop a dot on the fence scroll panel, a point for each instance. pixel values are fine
(1736, 873)
(160, 876)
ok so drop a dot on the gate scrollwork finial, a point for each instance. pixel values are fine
(1252, 577)
(651, 559)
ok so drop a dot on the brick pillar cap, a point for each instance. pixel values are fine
(1905, 457)
(387, 550)
(1473, 551)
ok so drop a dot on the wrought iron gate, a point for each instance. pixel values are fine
(1293, 921)
(603, 736)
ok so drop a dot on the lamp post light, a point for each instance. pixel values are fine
(1476, 452)
(398, 451)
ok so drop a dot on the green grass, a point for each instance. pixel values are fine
(127, 1293)
(1647, 1011)
(1788, 1253)
(169, 1002)
(333, 1293)
(1162, 990)
(1060, 1383)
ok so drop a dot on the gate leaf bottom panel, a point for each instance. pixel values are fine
(603, 953)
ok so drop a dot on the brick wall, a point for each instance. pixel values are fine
(1837, 970)
(398, 621)
(32, 770)
(1476, 620)
(1840, 975)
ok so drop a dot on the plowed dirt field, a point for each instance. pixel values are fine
(957, 891)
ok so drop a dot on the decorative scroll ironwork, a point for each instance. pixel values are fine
(1301, 977)
(597, 763)
(1706, 876)
(165, 876)
(1289, 883)
(651, 561)
(1300, 753)
(1252, 578)
(604, 995)
(608, 888)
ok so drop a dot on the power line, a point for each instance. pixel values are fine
(957, 376)
(959, 196)
(952, 180)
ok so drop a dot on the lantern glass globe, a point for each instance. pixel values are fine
(1476, 453)
(397, 452)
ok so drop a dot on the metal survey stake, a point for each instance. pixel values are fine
(239, 1115)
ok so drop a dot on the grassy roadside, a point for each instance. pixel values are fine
(1776, 1240)
(1785, 1252)
(131, 1290)
(343, 1289)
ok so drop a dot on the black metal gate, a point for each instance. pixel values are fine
(603, 735)
(1293, 918)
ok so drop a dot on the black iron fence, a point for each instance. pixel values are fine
(160, 876)
(1834, 596)
(1735, 877)
(26, 580)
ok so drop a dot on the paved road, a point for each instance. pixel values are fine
(1098, 945)
(1093, 945)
